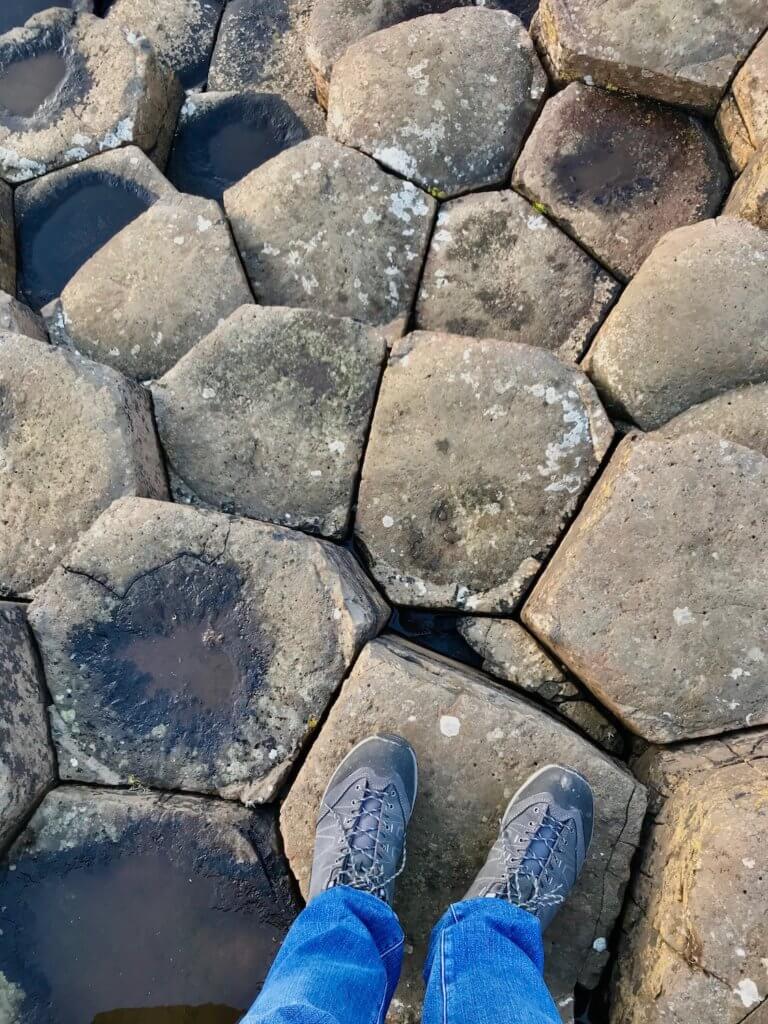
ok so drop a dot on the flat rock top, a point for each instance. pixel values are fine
(478, 453)
(444, 100)
(740, 416)
(655, 597)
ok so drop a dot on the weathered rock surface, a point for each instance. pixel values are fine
(26, 758)
(444, 100)
(15, 12)
(476, 743)
(268, 415)
(617, 173)
(496, 268)
(683, 53)
(695, 932)
(74, 436)
(155, 289)
(478, 453)
(749, 197)
(179, 905)
(7, 241)
(692, 324)
(188, 650)
(322, 226)
(16, 318)
(655, 599)
(87, 86)
(740, 416)
(743, 115)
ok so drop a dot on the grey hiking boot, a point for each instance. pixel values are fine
(364, 814)
(543, 841)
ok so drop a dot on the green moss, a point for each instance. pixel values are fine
(540, 208)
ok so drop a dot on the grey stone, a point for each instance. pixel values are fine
(94, 86)
(16, 318)
(743, 115)
(690, 325)
(323, 227)
(17, 12)
(497, 268)
(26, 758)
(617, 173)
(476, 743)
(188, 650)
(74, 436)
(445, 100)
(478, 453)
(655, 598)
(7, 241)
(740, 416)
(155, 289)
(749, 197)
(268, 416)
(175, 905)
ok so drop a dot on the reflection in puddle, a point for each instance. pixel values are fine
(26, 82)
(607, 174)
(15, 12)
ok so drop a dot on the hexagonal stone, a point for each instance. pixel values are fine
(26, 758)
(16, 318)
(749, 198)
(691, 324)
(188, 650)
(743, 115)
(617, 173)
(444, 100)
(155, 289)
(654, 599)
(65, 217)
(695, 933)
(74, 436)
(72, 85)
(268, 416)
(323, 227)
(681, 52)
(172, 906)
(478, 453)
(740, 416)
(497, 268)
(476, 743)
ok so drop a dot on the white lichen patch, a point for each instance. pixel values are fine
(450, 725)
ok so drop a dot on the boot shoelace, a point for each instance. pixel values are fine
(528, 859)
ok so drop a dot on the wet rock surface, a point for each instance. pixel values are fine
(16, 318)
(478, 453)
(618, 173)
(187, 650)
(740, 416)
(268, 415)
(743, 115)
(7, 241)
(749, 198)
(16, 12)
(497, 268)
(177, 904)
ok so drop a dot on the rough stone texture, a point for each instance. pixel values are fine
(497, 268)
(749, 197)
(74, 436)
(692, 323)
(743, 115)
(695, 933)
(322, 226)
(445, 100)
(617, 173)
(268, 415)
(111, 91)
(683, 52)
(478, 453)
(655, 598)
(7, 241)
(26, 758)
(16, 318)
(188, 650)
(476, 743)
(176, 904)
(740, 416)
(155, 289)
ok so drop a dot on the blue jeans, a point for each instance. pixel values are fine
(340, 964)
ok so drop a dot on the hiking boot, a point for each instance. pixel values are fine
(364, 814)
(543, 841)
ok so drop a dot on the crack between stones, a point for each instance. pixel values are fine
(750, 1013)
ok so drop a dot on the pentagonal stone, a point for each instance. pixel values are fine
(476, 743)
(155, 289)
(695, 933)
(743, 115)
(268, 415)
(73, 85)
(67, 216)
(445, 100)
(222, 136)
(496, 268)
(16, 318)
(681, 52)
(691, 324)
(655, 598)
(173, 906)
(478, 453)
(188, 650)
(26, 758)
(322, 226)
(740, 416)
(749, 198)
(74, 436)
(617, 173)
